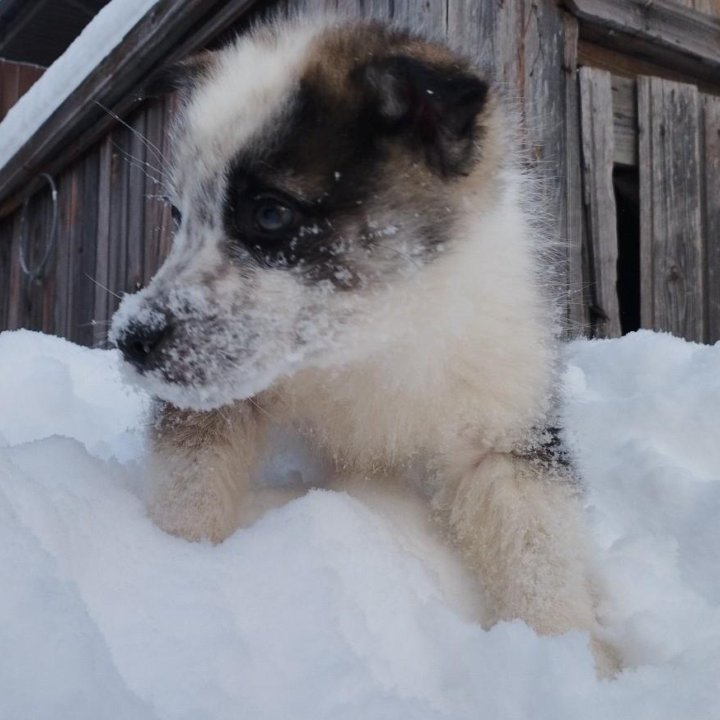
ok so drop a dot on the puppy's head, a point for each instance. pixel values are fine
(318, 170)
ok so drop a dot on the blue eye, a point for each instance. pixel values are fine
(272, 216)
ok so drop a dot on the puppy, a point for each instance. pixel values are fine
(354, 258)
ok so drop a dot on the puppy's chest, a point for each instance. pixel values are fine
(361, 420)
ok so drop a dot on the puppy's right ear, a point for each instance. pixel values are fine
(182, 76)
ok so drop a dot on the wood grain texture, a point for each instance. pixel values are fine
(671, 246)
(530, 48)
(83, 280)
(596, 111)
(167, 32)
(624, 120)
(574, 277)
(137, 161)
(5, 261)
(710, 7)
(711, 180)
(661, 31)
(101, 304)
(119, 208)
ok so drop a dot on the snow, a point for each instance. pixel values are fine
(341, 605)
(104, 32)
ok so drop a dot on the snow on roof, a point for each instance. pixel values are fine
(64, 76)
(341, 607)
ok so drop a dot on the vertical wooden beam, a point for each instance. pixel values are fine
(101, 313)
(86, 251)
(572, 223)
(9, 86)
(711, 178)
(5, 260)
(119, 200)
(74, 243)
(137, 171)
(671, 252)
(47, 299)
(426, 16)
(530, 48)
(154, 188)
(62, 255)
(598, 148)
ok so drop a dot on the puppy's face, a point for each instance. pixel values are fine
(318, 171)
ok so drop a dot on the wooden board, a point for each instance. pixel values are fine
(101, 276)
(711, 177)
(15, 80)
(167, 32)
(136, 159)
(671, 246)
(710, 7)
(530, 48)
(624, 120)
(596, 110)
(661, 31)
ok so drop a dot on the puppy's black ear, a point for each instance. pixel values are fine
(181, 76)
(434, 106)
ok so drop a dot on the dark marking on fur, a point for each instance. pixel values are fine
(335, 151)
(433, 108)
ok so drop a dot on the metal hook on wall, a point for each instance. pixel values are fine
(36, 273)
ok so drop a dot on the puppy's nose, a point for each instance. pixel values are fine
(139, 342)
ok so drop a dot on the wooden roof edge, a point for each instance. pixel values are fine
(167, 32)
(661, 31)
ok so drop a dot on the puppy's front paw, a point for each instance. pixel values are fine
(192, 515)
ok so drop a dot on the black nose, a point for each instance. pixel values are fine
(139, 343)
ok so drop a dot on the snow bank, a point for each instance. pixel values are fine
(329, 607)
(68, 72)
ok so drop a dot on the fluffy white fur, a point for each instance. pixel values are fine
(442, 374)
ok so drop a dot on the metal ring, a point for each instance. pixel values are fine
(37, 272)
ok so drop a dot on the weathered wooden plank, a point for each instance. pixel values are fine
(624, 117)
(616, 61)
(671, 252)
(101, 314)
(83, 289)
(530, 49)
(37, 231)
(5, 259)
(490, 34)
(711, 7)
(156, 166)
(119, 197)
(660, 30)
(62, 273)
(74, 241)
(166, 32)
(572, 274)
(596, 111)
(50, 272)
(170, 108)
(137, 171)
(711, 177)
(426, 16)
(9, 86)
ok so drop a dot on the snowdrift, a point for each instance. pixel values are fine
(335, 606)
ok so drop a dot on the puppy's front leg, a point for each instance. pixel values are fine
(200, 469)
(519, 524)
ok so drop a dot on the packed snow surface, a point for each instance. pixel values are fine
(339, 606)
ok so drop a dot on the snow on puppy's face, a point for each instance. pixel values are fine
(316, 173)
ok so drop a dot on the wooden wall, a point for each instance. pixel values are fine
(711, 7)
(15, 80)
(114, 228)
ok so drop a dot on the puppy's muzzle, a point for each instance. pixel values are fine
(140, 343)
